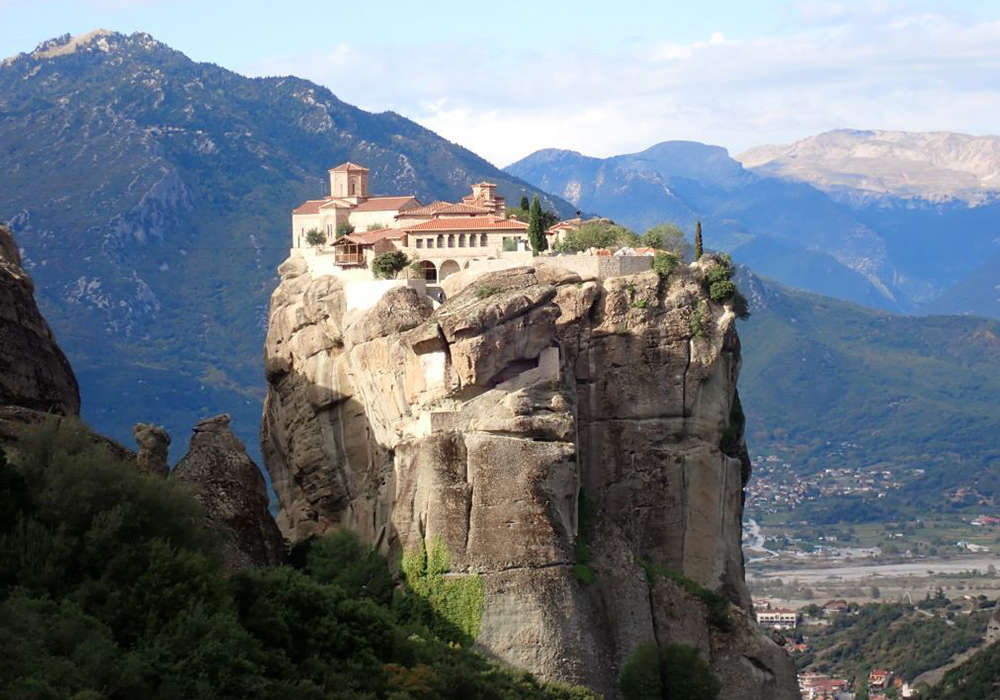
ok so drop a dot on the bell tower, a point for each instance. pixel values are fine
(349, 181)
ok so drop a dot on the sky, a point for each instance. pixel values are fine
(505, 79)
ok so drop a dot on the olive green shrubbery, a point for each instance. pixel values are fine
(315, 237)
(721, 288)
(110, 588)
(451, 607)
(387, 265)
(679, 673)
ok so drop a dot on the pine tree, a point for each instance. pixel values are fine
(536, 227)
(698, 248)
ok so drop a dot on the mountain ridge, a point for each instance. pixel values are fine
(853, 163)
(171, 183)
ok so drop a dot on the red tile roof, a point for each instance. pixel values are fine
(386, 203)
(478, 223)
(427, 209)
(484, 184)
(354, 167)
(463, 209)
(310, 206)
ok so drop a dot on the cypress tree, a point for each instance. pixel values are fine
(698, 248)
(536, 230)
(524, 202)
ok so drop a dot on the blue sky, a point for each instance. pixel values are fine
(597, 77)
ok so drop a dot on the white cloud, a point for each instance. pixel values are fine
(885, 68)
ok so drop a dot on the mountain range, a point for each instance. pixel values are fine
(151, 195)
(909, 249)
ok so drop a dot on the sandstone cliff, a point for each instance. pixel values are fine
(232, 490)
(34, 373)
(572, 444)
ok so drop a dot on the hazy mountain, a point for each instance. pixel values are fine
(152, 195)
(825, 381)
(785, 230)
(892, 250)
(934, 165)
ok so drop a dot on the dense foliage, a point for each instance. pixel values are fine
(110, 588)
(975, 679)
(668, 237)
(890, 635)
(595, 234)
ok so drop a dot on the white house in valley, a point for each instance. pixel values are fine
(443, 237)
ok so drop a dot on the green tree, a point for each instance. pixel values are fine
(596, 234)
(387, 265)
(667, 237)
(699, 248)
(524, 202)
(536, 227)
(315, 237)
(344, 228)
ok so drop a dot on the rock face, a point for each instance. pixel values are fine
(485, 426)
(234, 494)
(34, 373)
(154, 446)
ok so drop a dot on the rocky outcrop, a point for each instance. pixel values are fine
(573, 443)
(231, 488)
(154, 448)
(34, 373)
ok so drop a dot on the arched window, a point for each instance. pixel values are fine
(430, 272)
(451, 240)
(440, 240)
(482, 239)
(461, 240)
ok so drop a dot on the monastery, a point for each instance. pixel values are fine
(442, 236)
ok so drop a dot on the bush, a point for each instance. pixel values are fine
(721, 290)
(678, 674)
(387, 265)
(641, 677)
(344, 228)
(664, 263)
(698, 320)
(315, 237)
(596, 234)
(686, 675)
(667, 237)
(376, 226)
(486, 291)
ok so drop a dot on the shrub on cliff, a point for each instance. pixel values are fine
(679, 673)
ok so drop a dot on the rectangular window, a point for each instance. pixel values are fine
(420, 242)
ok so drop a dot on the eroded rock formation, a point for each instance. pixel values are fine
(154, 448)
(481, 425)
(233, 492)
(34, 373)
